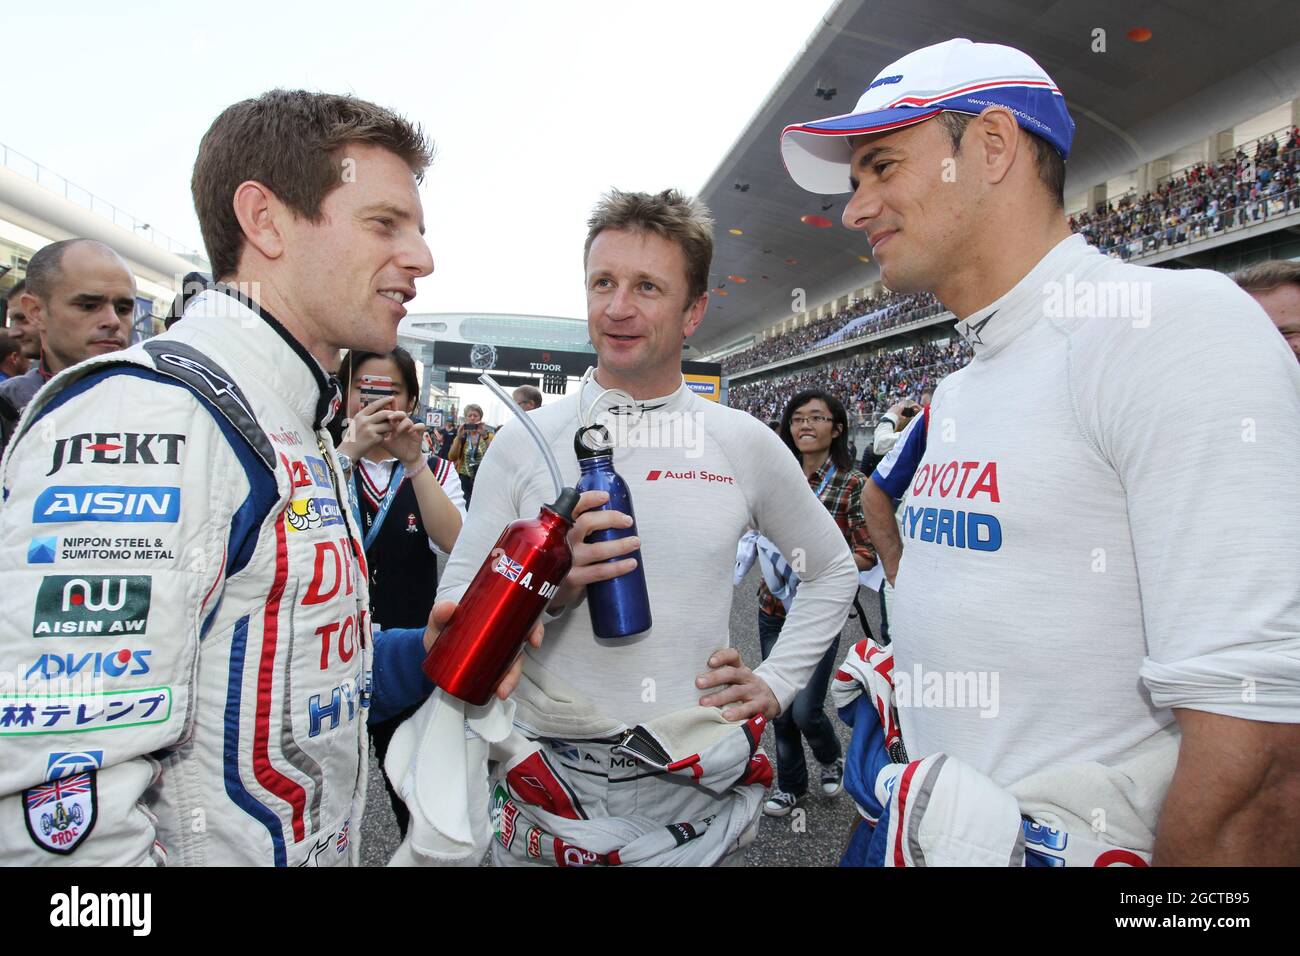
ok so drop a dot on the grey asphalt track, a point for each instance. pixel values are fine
(815, 838)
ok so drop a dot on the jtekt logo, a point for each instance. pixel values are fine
(67, 604)
(117, 448)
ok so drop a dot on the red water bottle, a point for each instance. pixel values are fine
(514, 585)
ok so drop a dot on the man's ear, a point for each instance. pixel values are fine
(34, 309)
(695, 315)
(260, 215)
(997, 142)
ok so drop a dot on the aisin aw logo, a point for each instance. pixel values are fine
(69, 604)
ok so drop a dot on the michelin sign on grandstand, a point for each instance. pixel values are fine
(706, 386)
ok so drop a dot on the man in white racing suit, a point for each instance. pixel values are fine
(184, 632)
(700, 475)
(1060, 511)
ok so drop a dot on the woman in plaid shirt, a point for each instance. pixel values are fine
(815, 428)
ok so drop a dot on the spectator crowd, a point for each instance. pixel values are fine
(1201, 201)
(866, 386)
(890, 310)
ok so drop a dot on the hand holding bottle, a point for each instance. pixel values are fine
(441, 614)
(589, 559)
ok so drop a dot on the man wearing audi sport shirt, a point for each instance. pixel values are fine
(717, 474)
(185, 588)
(1066, 463)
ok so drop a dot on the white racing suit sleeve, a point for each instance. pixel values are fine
(449, 478)
(884, 437)
(788, 513)
(113, 549)
(498, 500)
(446, 475)
(1209, 477)
(495, 506)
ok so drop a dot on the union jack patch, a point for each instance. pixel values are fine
(341, 841)
(60, 814)
(508, 568)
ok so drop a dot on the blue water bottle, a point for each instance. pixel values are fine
(620, 606)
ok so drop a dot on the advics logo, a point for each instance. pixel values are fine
(99, 664)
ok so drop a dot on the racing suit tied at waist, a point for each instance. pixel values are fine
(682, 789)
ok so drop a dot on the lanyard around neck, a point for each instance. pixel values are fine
(826, 481)
(394, 484)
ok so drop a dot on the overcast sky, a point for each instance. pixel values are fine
(536, 108)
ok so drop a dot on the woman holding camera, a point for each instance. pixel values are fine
(469, 447)
(409, 505)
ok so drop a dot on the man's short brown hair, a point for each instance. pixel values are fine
(289, 141)
(528, 393)
(1051, 165)
(669, 215)
(1267, 276)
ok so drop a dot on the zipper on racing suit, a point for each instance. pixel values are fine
(345, 509)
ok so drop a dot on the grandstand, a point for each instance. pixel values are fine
(1198, 170)
(38, 206)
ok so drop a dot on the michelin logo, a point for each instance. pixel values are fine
(309, 513)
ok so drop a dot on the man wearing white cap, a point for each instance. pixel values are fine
(1066, 465)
